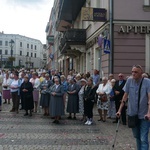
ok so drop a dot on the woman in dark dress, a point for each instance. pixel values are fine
(56, 101)
(45, 96)
(73, 99)
(27, 91)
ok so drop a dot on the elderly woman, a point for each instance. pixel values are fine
(103, 92)
(56, 101)
(27, 95)
(45, 97)
(6, 90)
(36, 86)
(112, 108)
(73, 99)
(65, 85)
(78, 78)
(81, 101)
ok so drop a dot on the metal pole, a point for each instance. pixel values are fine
(11, 58)
(111, 35)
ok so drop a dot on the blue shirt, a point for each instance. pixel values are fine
(65, 85)
(96, 79)
(132, 88)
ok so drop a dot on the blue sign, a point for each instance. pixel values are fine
(51, 56)
(106, 46)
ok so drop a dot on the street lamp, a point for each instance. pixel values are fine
(11, 44)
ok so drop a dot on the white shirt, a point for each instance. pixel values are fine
(36, 83)
(104, 89)
(7, 82)
(14, 84)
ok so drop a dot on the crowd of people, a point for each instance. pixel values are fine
(76, 93)
(57, 93)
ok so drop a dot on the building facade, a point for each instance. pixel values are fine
(27, 52)
(128, 34)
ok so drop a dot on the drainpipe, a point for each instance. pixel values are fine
(111, 35)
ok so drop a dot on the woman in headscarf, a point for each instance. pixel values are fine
(56, 101)
(65, 85)
(45, 96)
(73, 99)
(27, 94)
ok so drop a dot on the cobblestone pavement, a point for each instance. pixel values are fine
(39, 133)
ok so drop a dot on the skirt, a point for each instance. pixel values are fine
(45, 100)
(36, 95)
(6, 94)
(102, 105)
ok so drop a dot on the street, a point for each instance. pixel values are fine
(39, 133)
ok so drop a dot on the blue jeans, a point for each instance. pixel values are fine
(141, 134)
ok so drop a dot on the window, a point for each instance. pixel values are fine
(27, 45)
(146, 2)
(27, 53)
(146, 6)
(35, 55)
(0, 51)
(1, 43)
(31, 46)
(31, 54)
(6, 43)
(35, 47)
(6, 52)
(20, 44)
(20, 53)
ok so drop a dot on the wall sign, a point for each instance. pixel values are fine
(134, 29)
(93, 14)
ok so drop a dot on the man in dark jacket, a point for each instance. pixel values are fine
(118, 97)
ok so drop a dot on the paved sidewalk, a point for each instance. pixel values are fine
(39, 133)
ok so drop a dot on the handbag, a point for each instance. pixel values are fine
(134, 120)
(103, 98)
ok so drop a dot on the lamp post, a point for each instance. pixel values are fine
(11, 43)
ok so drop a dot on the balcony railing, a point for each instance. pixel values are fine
(72, 37)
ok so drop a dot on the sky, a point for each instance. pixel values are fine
(25, 17)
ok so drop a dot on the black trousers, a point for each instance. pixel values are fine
(15, 100)
(88, 109)
(123, 112)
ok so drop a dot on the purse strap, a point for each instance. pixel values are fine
(139, 93)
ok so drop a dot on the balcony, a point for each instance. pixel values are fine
(68, 12)
(73, 41)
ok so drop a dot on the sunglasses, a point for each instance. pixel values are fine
(120, 76)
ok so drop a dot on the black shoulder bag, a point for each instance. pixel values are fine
(133, 120)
